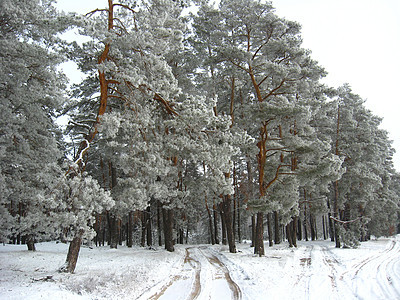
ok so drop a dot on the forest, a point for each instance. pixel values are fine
(193, 123)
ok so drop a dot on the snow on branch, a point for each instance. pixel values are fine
(345, 222)
(80, 124)
(80, 158)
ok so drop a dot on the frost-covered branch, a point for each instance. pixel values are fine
(80, 158)
(80, 124)
(344, 222)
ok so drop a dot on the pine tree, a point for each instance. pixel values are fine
(30, 92)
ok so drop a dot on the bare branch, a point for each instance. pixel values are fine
(89, 14)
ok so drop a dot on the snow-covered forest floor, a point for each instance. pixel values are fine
(315, 270)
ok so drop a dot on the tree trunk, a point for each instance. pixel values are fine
(238, 222)
(305, 223)
(253, 231)
(215, 213)
(73, 253)
(294, 231)
(277, 237)
(259, 243)
(269, 224)
(143, 231)
(312, 228)
(129, 236)
(114, 234)
(226, 204)
(289, 235)
(210, 224)
(223, 227)
(299, 233)
(30, 242)
(168, 220)
(159, 224)
(336, 214)
(149, 235)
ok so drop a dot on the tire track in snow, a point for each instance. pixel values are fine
(200, 276)
(187, 281)
(330, 261)
(385, 265)
(220, 271)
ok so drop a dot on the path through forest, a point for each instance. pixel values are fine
(201, 275)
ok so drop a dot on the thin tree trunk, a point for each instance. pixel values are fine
(149, 235)
(253, 231)
(238, 222)
(269, 224)
(210, 224)
(277, 237)
(259, 243)
(223, 227)
(305, 223)
(312, 228)
(143, 232)
(323, 227)
(159, 224)
(129, 239)
(294, 231)
(215, 213)
(73, 253)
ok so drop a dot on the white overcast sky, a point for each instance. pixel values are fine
(356, 41)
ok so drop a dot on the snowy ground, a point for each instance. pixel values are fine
(315, 270)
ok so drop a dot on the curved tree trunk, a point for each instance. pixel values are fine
(73, 253)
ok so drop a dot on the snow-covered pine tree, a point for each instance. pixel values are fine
(254, 62)
(362, 194)
(31, 92)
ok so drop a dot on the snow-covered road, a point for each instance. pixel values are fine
(201, 276)
(314, 270)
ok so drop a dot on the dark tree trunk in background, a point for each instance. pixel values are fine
(277, 237)
(168, 222)
(210, 224)
(181, 236)
(129, 236)
(114, 233)
(223, 227)
(159, 224)
(294, 231)
(269, 224)
(149, 235)
(73, 253)
(323, 227)
(299, 232)
(312, 227)
(305, 223)
(143, 231)
(259, 243)
(238, 223)
(253, 231)
(215, 213)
